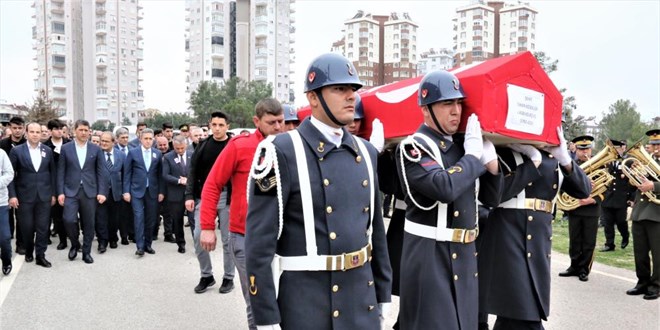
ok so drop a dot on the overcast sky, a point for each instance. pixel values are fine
(607, 50)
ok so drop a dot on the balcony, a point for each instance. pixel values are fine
(292, 7)
(261, 2)
(101, 75)
(100, 1)
(217, 51)
(58, 10)
(261, 31)
(260, 20)
(217, 73)
(100, 9)
(261, 51)
(292, 18)
(100, 29)
(59, 83)
(101, 61)
(292, 38)
(58, 95)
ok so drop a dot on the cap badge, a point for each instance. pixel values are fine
(350, 69)
(311, 76)
(456, 84)
(424, 93)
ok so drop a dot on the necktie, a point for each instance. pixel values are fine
(182, 161)
(123, 149)
(147, 159)
(108, 162)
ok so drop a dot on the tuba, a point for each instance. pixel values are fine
(598, 175)
(639, 166)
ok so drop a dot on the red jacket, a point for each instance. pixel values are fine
(233, 163)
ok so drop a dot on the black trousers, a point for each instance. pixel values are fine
(126, 220)
(15, 223)
(35, 218)
(107, 221)
(177, 209)
(646, 238)
(582, 232)
(166, 215)
(504, 323)
(87, 208)
(58, 223)
(612, 217)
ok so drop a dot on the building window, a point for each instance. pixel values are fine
(396, 46)
(485, 34)
(513, 24)
(350, 36)
(463, 24)
(462, 35)
(462, 45)
(477, 43)
(513, 45)
(58, 27)
(485, 44)
(350, 55)
(513, 35)
(462, 14)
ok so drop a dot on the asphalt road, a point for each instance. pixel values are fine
(121, 290)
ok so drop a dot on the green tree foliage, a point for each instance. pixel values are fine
(41, 110)
(622, 122)
(175, 119)
(125, 121)
(546, 62)
(103, 125)
(235, 97)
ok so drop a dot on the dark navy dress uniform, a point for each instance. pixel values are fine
(439, 279)
(340, 193)
(514, 257)
(615, 206)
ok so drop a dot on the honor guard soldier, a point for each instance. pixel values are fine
(314, 217)
(439, 170)
(518, 241)
(583, 222)
(646, 228)
(614, 209)
(290, 117)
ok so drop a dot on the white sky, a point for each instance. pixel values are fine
(607, 50)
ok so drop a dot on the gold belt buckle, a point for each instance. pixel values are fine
(470, 236)
(353, 260)
(458, 236)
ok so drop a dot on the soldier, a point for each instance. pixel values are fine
(620, 194)
(438, 170)
(646, 230)
(583, 222)
(314, 210)
(518, 241)
(290, 117)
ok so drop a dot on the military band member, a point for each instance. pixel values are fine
(646, 231)
(439, 170)
(583, 222)
(518, 241)
(614, 209)
(314, 210)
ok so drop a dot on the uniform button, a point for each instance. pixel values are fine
(371, 307)
(529, 254)
(476, 254)
(365, 209)
(333, 235)
(551, 156)
(365, 183)
(550, 238)
(335, 313)
(326, 182)
(335, 288)
(321, 159)
(552, 222)
(456, 213)
(530, 218)
(554, 186)
(529, 184)
(328, 209)
(641, 199)
(529, 237)
(358, 159)
(455, 277)
(370, 283)
(549, 255)
(614, 183)
(454, 256)
(476, 274)
(613, 189)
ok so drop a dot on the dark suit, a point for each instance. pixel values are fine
(107, 215)
(173, 169)
(144, 186)
(80, 187)
(34, 191)
(125, 210)
(56, 210)
(615, 205)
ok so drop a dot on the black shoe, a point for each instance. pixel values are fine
(636, 291)
(53, 233)
(624, 243)
(607, 248)
(155, 238)
(483, 326)
(87, 258)
(569, 272)
(187, 224)
(139, 252)
(20, 250)
(73, 253)
(651, 295)
(61, 246)
(113, 245)
(103, 247)
(149, 250)
(169, 238)
(204, 283)
(41, 261)
(182, 249)
(29, 258)
(227, 286)
(49, 241)
(6, 267)
(124, 241)
(583, 277)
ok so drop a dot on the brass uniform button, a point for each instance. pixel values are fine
(529, 184)
(333, 235)
(371, 307)
(529, 237)
(549, 255)
(358, 159)
(530, 218)
(328, 209)
(456, 213)
(550, 238)
(365, 183)
(476, 274)
(326, 182)
(551, 156)
(455, 277)
(370, 283)
(476, 254)
(365, 209)
(335, 313)
(335, 288)
(454, 256)
(529, 254)
(554, 186)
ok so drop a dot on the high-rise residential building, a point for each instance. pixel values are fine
(211, 42)
(484, 30)
(382, 48)
(88, 56)
(432, 60)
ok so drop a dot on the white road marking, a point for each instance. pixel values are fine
(8, 281)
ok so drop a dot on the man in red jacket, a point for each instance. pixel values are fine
(234, 164)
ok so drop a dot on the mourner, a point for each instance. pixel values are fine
(439, 170)
(315, 211)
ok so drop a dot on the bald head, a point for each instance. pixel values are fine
(162, 144)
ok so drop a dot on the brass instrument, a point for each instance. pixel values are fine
(598, 175)
(638, 166)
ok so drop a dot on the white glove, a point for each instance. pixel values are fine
(473, 140)
(527, 150)
(384, 308)
(377, 137)
(269, 327)
(489, 153)
(560, 152)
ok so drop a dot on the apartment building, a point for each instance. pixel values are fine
(432, 60)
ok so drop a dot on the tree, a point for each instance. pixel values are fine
(176, 119)
(235, 97)
(103, 125)
(622, 122)
(125, 121)
(42, 109)
(546, 62)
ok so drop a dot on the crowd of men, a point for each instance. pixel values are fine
(299, 213)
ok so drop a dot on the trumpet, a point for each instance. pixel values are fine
(598, 175)
(639, 167)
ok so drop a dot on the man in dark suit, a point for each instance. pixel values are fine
(136, 142)
(55, 143)
(175, 173)
(17, 137)
(81, 184)
(126, 227)
(107, 215)
(614, 209)
(141, 187)
(32, 192)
